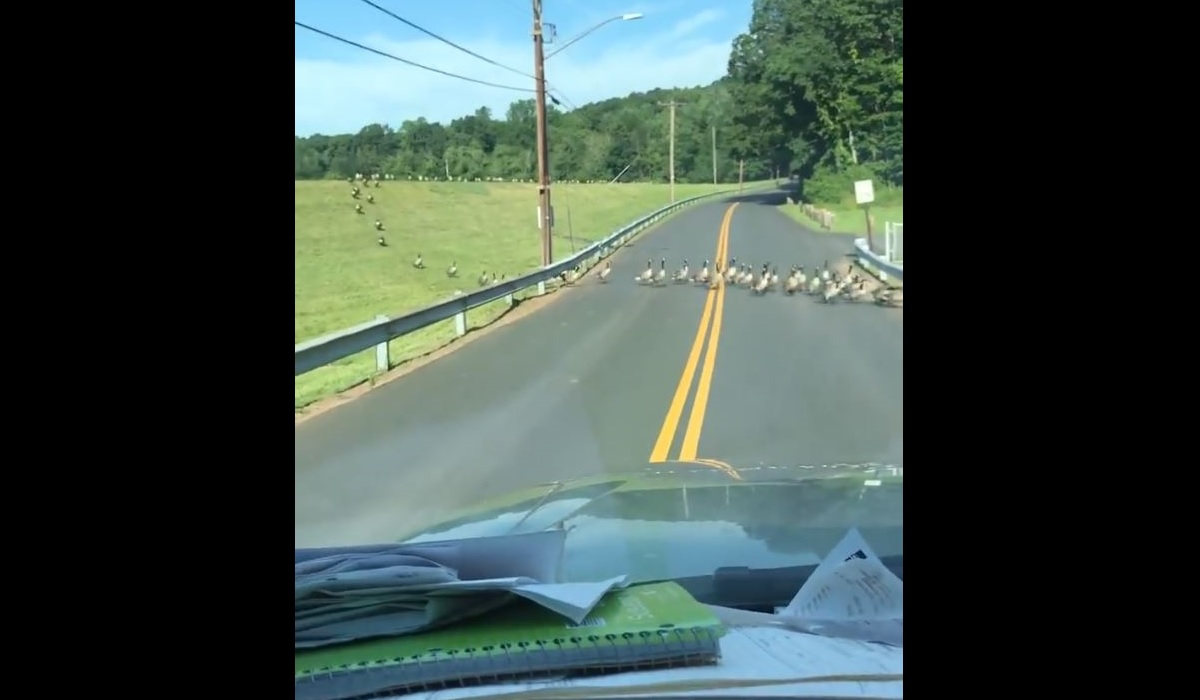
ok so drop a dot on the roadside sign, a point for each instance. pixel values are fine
(864, 191)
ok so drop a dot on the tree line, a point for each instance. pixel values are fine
(814, 88)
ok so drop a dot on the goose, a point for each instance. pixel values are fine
(661, 277)
(419, 262)
(857, 292)
(718, 280)
(452, 271)
(889, 296)
(829, 291)
(702, 275)
(731, 272)
(483, 278)
(745, 276)
(681, 274)
(647, 274)
(604, 274)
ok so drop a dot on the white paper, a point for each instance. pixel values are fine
(760, 661)
(851, 594)
(572, 600)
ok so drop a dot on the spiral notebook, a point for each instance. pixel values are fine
(646, 626)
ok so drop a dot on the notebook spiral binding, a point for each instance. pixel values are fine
(452, 668)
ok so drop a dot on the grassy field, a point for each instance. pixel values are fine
(849, 218)
(343, 277)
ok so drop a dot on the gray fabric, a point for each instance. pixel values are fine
(349, 593)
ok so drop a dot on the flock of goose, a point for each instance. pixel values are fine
(824, 283)
(484, 279)
(827, 284)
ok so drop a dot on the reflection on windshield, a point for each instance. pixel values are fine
(654, 529)
(767, 525)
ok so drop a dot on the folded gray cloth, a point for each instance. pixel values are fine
(349, 593)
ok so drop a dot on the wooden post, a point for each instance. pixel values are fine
(870, 232)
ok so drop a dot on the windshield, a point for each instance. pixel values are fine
(667, 321)
(651, 530)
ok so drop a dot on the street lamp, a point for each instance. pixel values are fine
(545, 215)
(627, 17)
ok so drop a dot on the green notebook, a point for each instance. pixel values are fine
(641, 626)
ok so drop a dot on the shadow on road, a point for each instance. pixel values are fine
(774, 198)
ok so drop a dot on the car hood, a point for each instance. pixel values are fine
(681, 520)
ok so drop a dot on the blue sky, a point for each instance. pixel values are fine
(339, 89)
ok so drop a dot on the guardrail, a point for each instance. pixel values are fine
(326, 349)
(877, 264)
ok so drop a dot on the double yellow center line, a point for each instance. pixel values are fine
(710, 321)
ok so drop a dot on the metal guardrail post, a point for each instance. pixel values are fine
(383, 362)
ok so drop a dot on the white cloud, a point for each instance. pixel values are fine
(696, 21)
(340, 97)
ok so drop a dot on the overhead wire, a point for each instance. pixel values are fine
(446, 41)
(414, 64)
(558, 94)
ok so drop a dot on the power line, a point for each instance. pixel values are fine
(561, 95)
(446, 41)
(414, 64)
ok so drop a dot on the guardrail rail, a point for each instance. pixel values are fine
(877, 265)
(332, 347)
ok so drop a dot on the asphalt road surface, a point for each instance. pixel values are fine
(611, 377)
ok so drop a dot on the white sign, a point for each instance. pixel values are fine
(864, 191)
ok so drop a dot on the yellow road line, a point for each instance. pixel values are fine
(662, 446)
(667, 434)
(691, 438)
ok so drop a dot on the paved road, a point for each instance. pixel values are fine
(587, 385)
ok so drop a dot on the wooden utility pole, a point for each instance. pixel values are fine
(545, 213)
(741, 172)
(671, 149)
(714, 154)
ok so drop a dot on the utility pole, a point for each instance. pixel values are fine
(741, 172)
(671, 152)
(545, 214)
(714, 154)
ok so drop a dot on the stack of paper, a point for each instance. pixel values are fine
(851, 595)
(349, 593)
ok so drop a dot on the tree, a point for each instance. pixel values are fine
(593, 143)
(820, 84)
